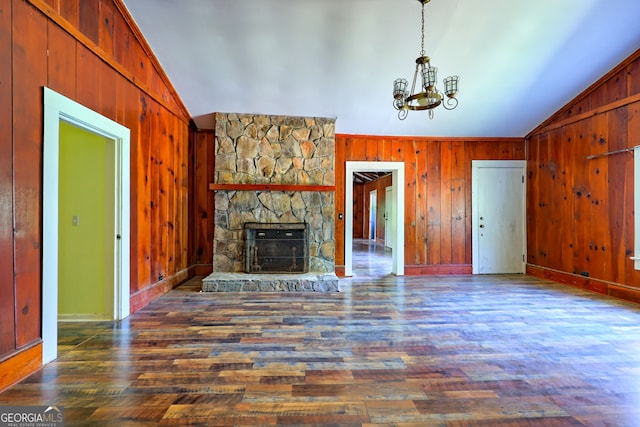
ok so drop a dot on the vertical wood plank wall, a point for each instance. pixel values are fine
(437, 219)
(7, 291)
(204, 201)
(580, 218)
(89, 51)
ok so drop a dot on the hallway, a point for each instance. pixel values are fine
(385, 351)
(370, 259)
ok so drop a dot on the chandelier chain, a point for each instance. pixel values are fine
(422, 52)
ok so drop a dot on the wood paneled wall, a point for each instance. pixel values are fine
(89, 51)
(204, 201)
(580, 215)
(437, 219)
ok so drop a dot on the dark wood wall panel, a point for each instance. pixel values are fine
(87, 90)
(69, 10)
(433, 219)
(109, 87)
(89, 20)
(61, 71)
(359, 212)
(437, 220)
(411, 211)
(106, 27)
(422, 192)
(184, 178)
(85, 50)
(445, 203)
(204, 199)
(7, 293)
(580, 219)
(29, 53)
(152, 194)
(139, 205)
(617, 126)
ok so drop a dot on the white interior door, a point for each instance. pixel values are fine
(498, 216)
(373, 214)
(388, 209)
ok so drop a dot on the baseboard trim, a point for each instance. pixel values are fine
(616, 290)
(83, 318)
(20, 365)
(203, 269)
(437, 270)
(144, 296)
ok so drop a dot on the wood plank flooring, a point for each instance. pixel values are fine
(386, 351)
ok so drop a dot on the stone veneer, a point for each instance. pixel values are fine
(273, 150)
(242, 282)
(258, 149)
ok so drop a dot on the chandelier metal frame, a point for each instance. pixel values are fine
(428, 97)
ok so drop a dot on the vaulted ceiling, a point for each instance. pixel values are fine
(519, 61)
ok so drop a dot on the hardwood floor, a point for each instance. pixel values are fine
(385, 351)
(370, 259)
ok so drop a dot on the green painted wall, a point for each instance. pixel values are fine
(85, 245)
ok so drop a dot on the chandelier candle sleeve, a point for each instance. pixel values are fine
(428, 96)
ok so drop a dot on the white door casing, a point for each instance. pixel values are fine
(397, 226)
(56, 108)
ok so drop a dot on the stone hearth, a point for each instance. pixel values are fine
(268, 170)
(247, 282)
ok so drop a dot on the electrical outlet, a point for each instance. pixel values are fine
(75, 220)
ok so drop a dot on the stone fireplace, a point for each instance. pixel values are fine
(273, 172)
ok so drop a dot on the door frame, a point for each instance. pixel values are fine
(60, 108)
(476, 165)
(397, 226)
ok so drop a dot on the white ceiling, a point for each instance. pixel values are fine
(519, 61)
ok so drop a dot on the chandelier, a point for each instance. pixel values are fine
(428, 96)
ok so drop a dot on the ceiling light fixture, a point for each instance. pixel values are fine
(428, 96)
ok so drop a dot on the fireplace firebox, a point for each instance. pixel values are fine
(276, 248)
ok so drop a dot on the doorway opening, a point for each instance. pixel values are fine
(86, 196)
(396, 223)
(57, 109)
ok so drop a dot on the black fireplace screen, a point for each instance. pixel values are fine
(276, 248)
